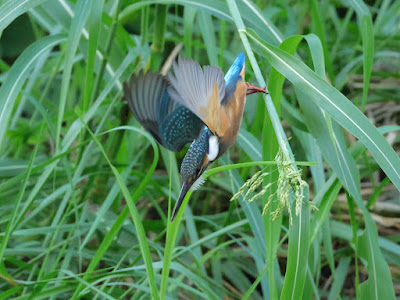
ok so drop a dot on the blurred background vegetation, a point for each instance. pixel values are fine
(85, 193)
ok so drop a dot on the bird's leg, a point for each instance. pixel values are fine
(251, 89)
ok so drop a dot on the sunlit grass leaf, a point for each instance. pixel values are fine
(17, 75)
(10, 10)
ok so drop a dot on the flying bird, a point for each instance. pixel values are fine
(193, 104)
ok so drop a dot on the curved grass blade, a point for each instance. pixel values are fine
(144, 245)
(78, 22)
(11, 10)
(8, 231)
(18, 74)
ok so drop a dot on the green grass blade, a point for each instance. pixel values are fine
(367, 34)
(253, 214)
(250, 145)
(376, 286)
(78, 22)
(11, 10)
(296, 270)
(157, 47)
(105, 206)
(94, 22)
(172, 231)
(327, 194)
(144, 246)
(5, 238)
(89, 285)
(340, 276)
(17, 75)
(318, 24)
(270, 149)
(254, 285)
(206, 23)
(188, 19)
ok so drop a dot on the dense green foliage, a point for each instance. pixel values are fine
(86, 194)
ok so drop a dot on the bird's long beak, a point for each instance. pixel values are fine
(185, 188)
(251, 89)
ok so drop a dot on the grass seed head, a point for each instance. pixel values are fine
(289, 183)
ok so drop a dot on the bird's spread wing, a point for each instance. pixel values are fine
(201, 90)
(144, 93)
(170, 123)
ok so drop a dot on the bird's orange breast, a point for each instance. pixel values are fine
(224, 120)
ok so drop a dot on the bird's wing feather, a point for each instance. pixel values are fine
(180, 127)
(143, 93)
(171, 124)
(196, 88)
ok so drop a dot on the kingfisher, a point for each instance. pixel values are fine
(192, 104)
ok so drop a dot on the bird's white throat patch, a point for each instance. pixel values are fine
(213, 148)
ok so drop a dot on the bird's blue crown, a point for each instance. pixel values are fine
(232, 77)
(235, 69)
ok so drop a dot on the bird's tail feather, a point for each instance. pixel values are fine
(185, 188)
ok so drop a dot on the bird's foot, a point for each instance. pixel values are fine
(251, 89)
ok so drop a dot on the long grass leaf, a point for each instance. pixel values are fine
(10, 10)
(188, 19)
(206, 23)
(78, 22)
(7, 234)
(296, 270)
(17, 75)
(367, 34)
(144, 246)
(340, 276)
(270, 149)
